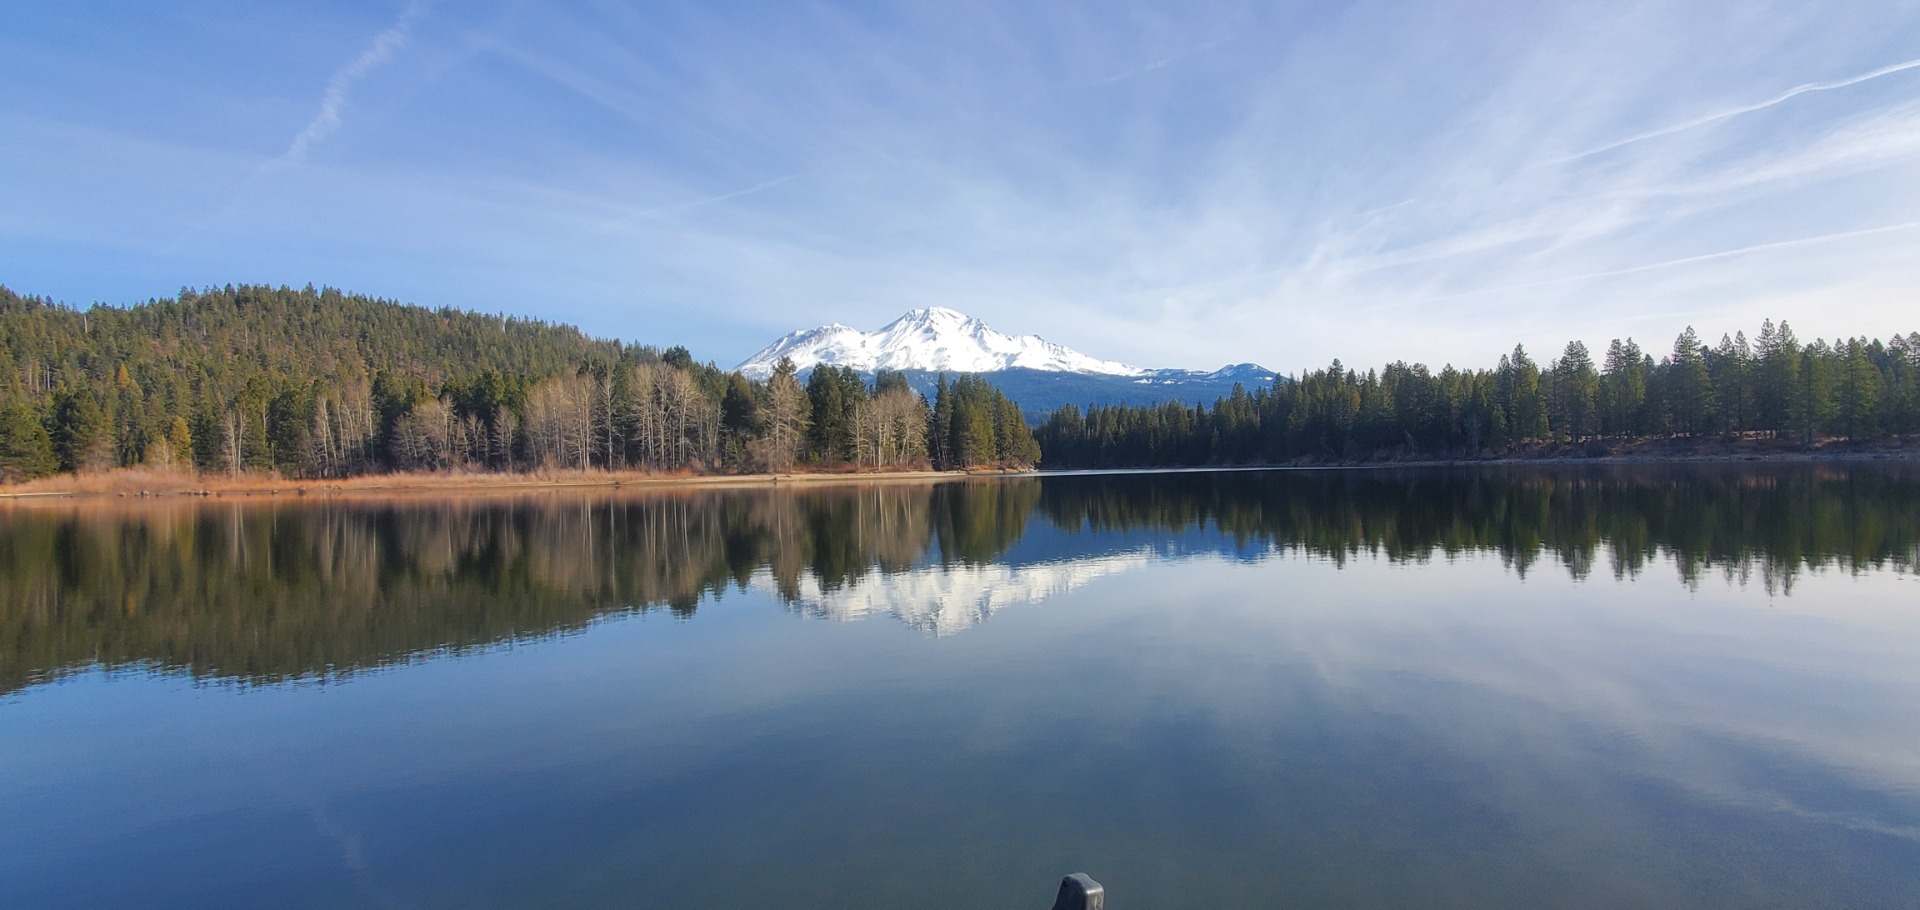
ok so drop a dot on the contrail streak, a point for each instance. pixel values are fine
(677, 208)
(1159, 64)
(1688, 260)
(335, 100)
(1781, 98)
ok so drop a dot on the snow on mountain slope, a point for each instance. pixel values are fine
(932, 339)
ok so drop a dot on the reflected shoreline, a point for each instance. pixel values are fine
(273, 589)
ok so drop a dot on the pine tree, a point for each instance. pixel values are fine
(739, 418)
(26, 450)
(1576, 391)
(1813, 402)
(940, 429)
(1731, 366)
(1520, 392)
(130, 432)
(208, 440)
(833, 395)
(1624, 389)
(1690, 392)
(1903, 381)
(1775, 392)
(1859, 392)
(80, 432)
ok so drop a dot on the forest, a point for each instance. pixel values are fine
(323, 384)
(249, 380)
(1773, 387)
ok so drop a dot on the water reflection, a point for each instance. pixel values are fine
(267, 592)
(942, 600)
(1420, 688)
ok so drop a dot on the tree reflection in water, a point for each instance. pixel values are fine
(263, 592)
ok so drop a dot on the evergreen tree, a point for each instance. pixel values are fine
(739, 418)
(940, 429)
(1813, 403)
(1576, 392)
(1902, 408)
(206, 435)
(1859, 391)
(80, 434)
(1690, 390)
(984, 429)
(248, 426)
(130, 432)
(1482, 423)
(288, 422)
(1775, 392)
(1624, 389)
(26, 450)
(1520, 394)
(833, 396)
(1731, 368)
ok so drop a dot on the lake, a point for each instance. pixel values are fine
(1562, 686)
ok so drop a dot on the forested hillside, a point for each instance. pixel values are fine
(1774, 387)
(320, 383)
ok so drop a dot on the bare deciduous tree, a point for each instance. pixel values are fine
(786, 421)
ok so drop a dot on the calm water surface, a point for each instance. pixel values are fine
(1565, 687)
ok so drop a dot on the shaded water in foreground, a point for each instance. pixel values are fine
(1623, 686)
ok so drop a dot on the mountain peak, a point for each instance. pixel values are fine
(931, 339)
(937, 312)
(935, 318)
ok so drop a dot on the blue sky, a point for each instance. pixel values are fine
(1170, 184)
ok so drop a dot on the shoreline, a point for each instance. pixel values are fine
(1504, 462)
(147, 484)
(1646, 452)
(138, 484)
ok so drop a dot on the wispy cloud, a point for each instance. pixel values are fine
(1668, 263)
(1159, 64)
(676, 208)
(1154, 183)
(1730, 113)
(334, 102)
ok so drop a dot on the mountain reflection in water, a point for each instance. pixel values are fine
(264, 592)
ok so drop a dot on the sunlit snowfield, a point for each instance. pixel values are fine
(1617, 686)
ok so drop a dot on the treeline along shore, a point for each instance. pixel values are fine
(230, 386)
(1772, 394)
(246, 382)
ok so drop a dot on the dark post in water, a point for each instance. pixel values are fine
(1080, 892)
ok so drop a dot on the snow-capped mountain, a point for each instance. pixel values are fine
(1037, 373)
(934, 339)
